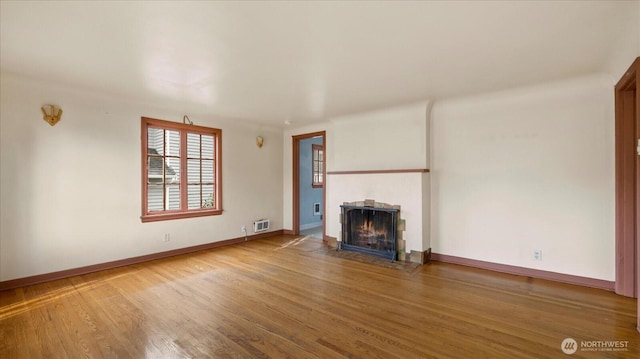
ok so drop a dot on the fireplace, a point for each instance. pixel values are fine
(370, 229)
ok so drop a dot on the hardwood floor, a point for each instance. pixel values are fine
(282, 297)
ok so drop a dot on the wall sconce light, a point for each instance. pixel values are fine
(51, 114)
(259, 141)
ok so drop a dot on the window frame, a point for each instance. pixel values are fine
(184, 211)
(317, 172)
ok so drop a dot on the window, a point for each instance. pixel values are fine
(317, 161)
(180, 170)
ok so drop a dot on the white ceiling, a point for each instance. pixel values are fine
(304, 61)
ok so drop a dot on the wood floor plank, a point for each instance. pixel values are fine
(283, 297)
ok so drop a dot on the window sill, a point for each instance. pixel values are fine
(179, 215)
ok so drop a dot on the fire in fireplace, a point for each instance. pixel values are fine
(369, 230)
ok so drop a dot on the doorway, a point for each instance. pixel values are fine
(309, 187)
(627, 146)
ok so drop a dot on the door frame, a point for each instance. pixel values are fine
(627, 101)
(296, 181)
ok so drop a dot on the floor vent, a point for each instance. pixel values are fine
(260, 225)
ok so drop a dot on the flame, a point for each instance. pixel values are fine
(368, 231)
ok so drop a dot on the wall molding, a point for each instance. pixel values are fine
(527, 272)
(411, 170)
(47, 277)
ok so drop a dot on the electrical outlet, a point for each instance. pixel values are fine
(244, 229)
(537, 255)
(167, 237)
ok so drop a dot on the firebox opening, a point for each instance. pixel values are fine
(369, 230)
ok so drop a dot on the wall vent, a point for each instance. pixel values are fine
(260, 225)
(317, 210)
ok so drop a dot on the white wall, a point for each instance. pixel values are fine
(530, 168)
(70, 194)
(393, 138)
(626, 47)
